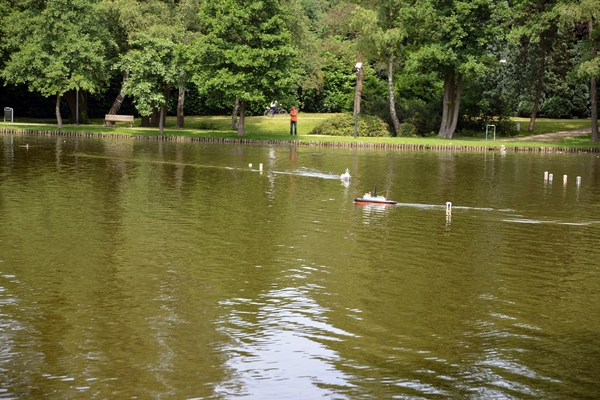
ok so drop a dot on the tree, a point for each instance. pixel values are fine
(245, 52)
(56, 46)
(587, 13)
(535, 31)
(153, 68)
(381, 35)
(452, 39)
(132, 19)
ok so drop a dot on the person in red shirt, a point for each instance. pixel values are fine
(293, 121)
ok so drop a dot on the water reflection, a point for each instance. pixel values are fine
(142, 269)
(281, 336)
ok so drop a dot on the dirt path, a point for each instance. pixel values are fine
(550, 136)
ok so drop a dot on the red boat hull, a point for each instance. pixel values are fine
(373, 201)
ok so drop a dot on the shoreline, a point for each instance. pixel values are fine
(359, 145)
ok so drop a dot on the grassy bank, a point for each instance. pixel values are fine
(277, 128)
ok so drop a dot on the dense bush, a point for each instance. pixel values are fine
(425, 117)
(524, 109)
(556, 107)
(407, 130)
(343, 125)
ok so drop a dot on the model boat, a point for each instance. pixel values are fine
(369, 198)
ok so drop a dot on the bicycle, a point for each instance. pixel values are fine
(269, 112)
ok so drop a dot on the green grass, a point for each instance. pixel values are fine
(277, 128)
(195, 126)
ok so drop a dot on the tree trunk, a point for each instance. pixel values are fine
(180, 101)
(241, 130)
(456, 105)
(57, 110)
(167, 95)
(118, 100)
(595, 136)
(161, 120)
(594, 101)
(234, 114)
(538, 93)
(445, 103)
(145, 121)
(155, 117)
(451, 106)
(393, 114)
(83, 107)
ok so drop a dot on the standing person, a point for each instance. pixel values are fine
(293, 121)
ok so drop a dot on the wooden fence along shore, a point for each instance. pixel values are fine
(359, 145)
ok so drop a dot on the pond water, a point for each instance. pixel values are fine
(146, 269)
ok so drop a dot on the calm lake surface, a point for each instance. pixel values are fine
(151, 270)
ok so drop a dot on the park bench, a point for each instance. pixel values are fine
(118, 118)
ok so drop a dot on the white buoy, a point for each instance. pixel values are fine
(564, 179)
(550, 177)
(578, 180)
(260, 167)
(546, 175)
(448, 208)
(250, 165)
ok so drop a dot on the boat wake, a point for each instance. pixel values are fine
(312, 174)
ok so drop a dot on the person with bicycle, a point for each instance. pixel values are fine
(293, 121)
(274, 108)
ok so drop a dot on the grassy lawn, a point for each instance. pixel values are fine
(277, 128)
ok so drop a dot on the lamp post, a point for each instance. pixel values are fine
(357, 67)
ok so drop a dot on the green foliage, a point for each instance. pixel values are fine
(381, 29)
(524, 108)
(152, 65)
(245, 51)
(338, 86)
(375, 96)
(556, 107)
(586, 11)
(458, 35)
(424, 116)
(343, 125)
(57, 46)
(407, 130)
(303, 52)
(335, 92)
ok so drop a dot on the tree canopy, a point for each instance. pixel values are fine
(245, 51)
(440, 66)
(57, 46)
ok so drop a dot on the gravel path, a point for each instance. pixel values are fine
(550, 136)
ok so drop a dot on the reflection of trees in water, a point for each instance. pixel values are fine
(446, 176)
